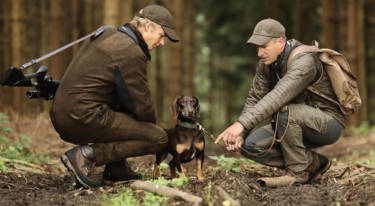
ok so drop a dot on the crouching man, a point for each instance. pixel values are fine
(103, 103)
(301, 120)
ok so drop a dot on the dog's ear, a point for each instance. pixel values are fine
(197, 107)
(174, 107)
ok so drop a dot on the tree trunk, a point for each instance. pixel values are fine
(191, 46)
(18, 41)
(272, 8)
(299, 21)
(5, 50)
(328, 35)
(55, 69)
(89, 25)
(370, 58)
(354, 52)
(110, 12)
(175, 54)
(126, 11)
(75, 26)
(211, 97)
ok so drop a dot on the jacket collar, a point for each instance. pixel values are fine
(141, 42)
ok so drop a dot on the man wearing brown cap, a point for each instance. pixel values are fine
(300, 120)
(103, 103)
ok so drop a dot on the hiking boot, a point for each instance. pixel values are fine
(120, 171)
(80, 162)
(324, 165)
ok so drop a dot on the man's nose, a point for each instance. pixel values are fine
(162, 41)
(260, 52)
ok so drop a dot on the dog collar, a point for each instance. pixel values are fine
(188, 125)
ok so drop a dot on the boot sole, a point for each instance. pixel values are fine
(65, 160)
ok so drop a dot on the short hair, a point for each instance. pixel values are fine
(140, 22)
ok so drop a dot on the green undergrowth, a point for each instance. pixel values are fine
(229, 163)
(15, 150)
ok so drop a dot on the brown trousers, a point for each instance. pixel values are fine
(112, 135)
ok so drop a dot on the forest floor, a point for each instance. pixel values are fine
(350, 181)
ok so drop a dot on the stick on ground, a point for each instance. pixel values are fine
(166, 191)
(223, 194)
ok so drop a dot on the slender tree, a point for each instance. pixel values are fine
(56, 68)
(110, 12)
(18, 41)
(75, 27)
(191, 46)
(355, 53)
(175, 53)
(328, 20)
(125, 11)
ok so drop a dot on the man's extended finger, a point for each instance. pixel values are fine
(219, 138)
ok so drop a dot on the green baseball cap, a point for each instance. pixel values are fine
(161, 16)
(265, 30)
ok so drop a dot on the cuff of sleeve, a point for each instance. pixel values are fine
(243, 122)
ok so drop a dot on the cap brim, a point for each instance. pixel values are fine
(258, 40)
(171, 34)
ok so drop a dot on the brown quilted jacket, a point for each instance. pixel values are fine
(108, 72)
(262, 102)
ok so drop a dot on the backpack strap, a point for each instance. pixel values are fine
(315, 49)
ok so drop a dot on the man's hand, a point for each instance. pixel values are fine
(236, 146)
(231, 136)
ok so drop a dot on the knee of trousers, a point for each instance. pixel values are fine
(250, 147)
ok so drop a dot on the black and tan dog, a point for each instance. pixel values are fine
(186, 140)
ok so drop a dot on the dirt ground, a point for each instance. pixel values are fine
(346, 183)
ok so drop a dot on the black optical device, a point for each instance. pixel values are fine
(45, 86)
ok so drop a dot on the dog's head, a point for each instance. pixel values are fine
(186, 107)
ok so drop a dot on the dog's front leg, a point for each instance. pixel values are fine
(199, 159)
(175, 162)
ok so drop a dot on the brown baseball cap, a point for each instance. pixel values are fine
(161, 16)
(265, 30)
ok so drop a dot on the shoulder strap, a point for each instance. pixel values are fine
(129, 32)
(301, 49)
(93, 35)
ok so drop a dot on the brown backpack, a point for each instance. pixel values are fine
(343, 82)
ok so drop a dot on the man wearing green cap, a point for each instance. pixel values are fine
(300, 120)
(103, 103)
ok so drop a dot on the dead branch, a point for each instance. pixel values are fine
(28, 169)
(165, 191)
(365, 166)
(21, 162)
(352, 179)
(223, 194)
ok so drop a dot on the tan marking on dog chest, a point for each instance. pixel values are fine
(199, 145)
(180, 148)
